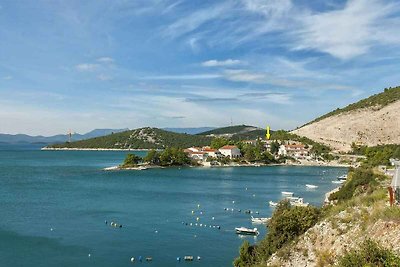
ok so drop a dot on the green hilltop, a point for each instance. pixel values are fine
(237, 132)
(142, 138)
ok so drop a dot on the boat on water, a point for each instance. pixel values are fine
(299, 202)
(246, 231)
(287, 194)
(338, 181)
(311, 186)
(273, 204)
(259, 220)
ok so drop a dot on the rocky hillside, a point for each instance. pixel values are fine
(344, 231)
(142, 138)
(372, 121)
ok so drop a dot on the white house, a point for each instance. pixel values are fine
(211, 152)
(230, 151)
(294, 150)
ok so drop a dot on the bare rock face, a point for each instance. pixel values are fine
(369, 126)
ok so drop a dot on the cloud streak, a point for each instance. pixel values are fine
(221, 63)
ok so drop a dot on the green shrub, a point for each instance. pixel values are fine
(131, 160)
(287, 223)
(370, 253)
(361, 180)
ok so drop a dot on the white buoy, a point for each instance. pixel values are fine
(197, 219)
(156, 231)
(191, 224)
(233, 202)
(213, 218)
(201, 225)
(192, 211)
(198, 258)
(254, 195)
(198, 205)
(89, 255)
(201, 212)
(51, 229)
(132, 259)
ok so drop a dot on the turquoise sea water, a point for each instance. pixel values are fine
(54, 205)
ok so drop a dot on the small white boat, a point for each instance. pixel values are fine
(246, 231)
(311, 186)
(299, 202)
(338, 181)
(273, 204)
(287, 194)
(259, 220)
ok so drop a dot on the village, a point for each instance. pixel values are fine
(277, 151)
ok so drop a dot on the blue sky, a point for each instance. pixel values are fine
(82, 65)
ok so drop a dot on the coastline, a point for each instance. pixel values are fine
(95, 149)
(148, 166)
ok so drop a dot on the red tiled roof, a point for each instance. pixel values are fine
(228, 147)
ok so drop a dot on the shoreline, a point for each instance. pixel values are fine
(145, 166)
(94, 149)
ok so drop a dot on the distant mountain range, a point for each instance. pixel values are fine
(60, 138)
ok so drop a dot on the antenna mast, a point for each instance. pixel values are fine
(69, 136)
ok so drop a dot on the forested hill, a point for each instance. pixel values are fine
(236, 132)
(142, 138)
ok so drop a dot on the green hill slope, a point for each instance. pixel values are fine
(143, 138)
(237, 132)
(378, 101)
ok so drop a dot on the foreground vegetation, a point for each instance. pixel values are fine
(286, 224)
(377, 155)
(363, 198)
(370, 253)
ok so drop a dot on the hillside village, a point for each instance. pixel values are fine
(288, 151)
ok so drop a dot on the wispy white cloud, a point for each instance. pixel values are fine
(343, 31)
(184, 77)
(221, 63)
(351, 31)
(105, 60)
(194, 20)
(86, 67)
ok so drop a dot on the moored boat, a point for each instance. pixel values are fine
(299, 202)
(287, 194)
(246, 231)
(273, 204)
(259, 220)
(311, 186)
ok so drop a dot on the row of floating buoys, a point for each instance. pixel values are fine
(114, 224)
(140, 259)
(188, 258)
(148, 259)
(239, 210)
(202, 225)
